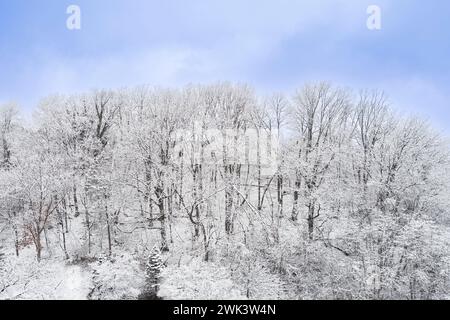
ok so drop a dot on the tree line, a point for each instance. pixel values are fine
(351, 203)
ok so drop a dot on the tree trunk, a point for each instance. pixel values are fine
(311, 213)
(75, 201)
(88, 228)
(148, 186)
(258, 160)
(162, 219)
(66, 222)
(61, 223)
(16, 240)
(280, 195)
(295, 203)
(38, 245)
(108, 227)
(228, 211)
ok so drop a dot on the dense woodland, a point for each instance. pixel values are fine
(333, 195)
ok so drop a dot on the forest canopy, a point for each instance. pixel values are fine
(322, 194)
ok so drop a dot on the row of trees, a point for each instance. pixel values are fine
(325, 185)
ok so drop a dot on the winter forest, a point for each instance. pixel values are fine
(216, 192)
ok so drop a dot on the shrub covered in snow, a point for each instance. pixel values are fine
(117, 278)
(198, 280)
(253, 274)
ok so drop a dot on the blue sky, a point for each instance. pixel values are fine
(275, 45)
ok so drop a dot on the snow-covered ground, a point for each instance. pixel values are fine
(76, 285)
(25, 278)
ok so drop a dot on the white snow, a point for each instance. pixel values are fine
(51, 279)
(75, 285)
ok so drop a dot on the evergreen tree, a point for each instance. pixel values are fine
(153, 269)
